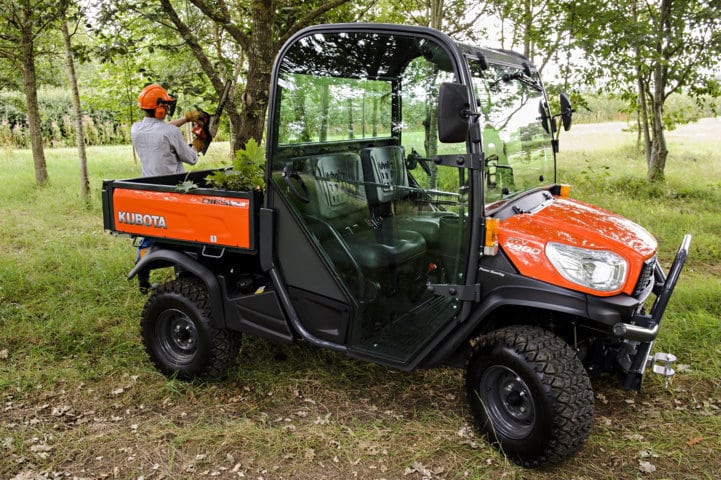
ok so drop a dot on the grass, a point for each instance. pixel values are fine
(80, 398)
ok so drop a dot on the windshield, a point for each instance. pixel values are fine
(517, 148)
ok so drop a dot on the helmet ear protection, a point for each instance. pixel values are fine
(155, 98)
(160, 112)
(165, 107)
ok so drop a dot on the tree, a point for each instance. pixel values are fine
(232, 42)
(78, 111)
(457, 18)
(663, 47)
(20, 24)
(136, 44)
(258, 30)
(449, 16)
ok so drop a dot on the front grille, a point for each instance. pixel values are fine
(646, 277)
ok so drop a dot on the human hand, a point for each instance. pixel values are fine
(194, 115)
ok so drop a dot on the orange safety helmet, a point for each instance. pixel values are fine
(154, 97)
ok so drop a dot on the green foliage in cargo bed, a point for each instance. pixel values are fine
(246, 173)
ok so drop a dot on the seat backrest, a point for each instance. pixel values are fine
(336, 191)
(385, 174)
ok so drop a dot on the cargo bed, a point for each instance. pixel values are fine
(154, 207)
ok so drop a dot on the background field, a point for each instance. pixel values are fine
(79, 397)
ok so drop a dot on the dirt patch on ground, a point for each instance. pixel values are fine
(409, 426)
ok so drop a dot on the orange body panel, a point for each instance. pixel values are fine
(524, 236)
(190, 217)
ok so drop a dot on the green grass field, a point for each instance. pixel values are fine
(80, 398)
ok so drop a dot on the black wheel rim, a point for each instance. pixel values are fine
(508, 402)
(177, 337)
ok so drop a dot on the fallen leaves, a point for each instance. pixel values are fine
(325, 420)
(646, 467)
(426, 473)
(309, 454)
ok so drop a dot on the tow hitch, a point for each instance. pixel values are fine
(662, 364)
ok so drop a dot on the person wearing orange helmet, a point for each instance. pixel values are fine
(160, 145)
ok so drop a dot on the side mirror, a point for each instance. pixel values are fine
(453, 113)
(566, 112)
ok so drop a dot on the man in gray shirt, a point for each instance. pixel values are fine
(161, 146)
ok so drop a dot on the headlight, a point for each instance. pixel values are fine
(597, 269)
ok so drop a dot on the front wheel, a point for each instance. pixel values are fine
(178, 334)
(529, 395)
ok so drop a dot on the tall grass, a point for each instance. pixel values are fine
(69, 343)
(605, 168)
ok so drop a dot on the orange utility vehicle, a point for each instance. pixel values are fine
(411, 217)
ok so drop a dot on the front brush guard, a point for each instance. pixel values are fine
(644, 328)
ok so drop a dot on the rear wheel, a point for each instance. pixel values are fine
(178, 334)
(529, 395)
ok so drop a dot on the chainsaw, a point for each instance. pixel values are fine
(201, 129)
(207, 126)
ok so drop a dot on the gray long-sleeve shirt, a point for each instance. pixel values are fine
(161, 147)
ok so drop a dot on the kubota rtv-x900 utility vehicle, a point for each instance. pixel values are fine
(411, 217)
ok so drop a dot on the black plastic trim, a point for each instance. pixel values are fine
(470, 161)
(258, 314)
(501, 289)
(107, 199)
(161, 258)
(266, 240)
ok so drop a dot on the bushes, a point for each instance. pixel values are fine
(57, 122)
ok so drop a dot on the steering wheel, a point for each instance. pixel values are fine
(288, 176)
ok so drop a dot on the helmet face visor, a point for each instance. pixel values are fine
(168, 104)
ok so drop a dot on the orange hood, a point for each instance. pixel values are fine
(523, 238)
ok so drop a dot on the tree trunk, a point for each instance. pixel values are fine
(436, 14)
(260, 44)
(351, 133)
(235, 124)
(659, 149)
(31, 96)
(301, 116)
(643, 117)
(324, 110)
(431, 122)
(79, 133)
(430, 126)
(527, 26)
(255, 104)
(255, 97)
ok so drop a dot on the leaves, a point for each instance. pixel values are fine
(646, 467)
(186, 186)
(247, 172)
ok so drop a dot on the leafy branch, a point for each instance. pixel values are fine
(247, 172)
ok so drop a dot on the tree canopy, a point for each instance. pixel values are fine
(219, 54)
(21, 24)
(662, 47)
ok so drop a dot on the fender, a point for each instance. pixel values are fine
(162, 257)
(516, 290)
